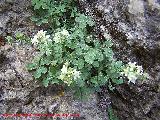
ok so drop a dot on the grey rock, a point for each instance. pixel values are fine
(133, 26)
(3, 21)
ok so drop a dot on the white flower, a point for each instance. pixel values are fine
(35, 40)
(60, 36)
(139, 69)
(89, 37)
(64, 69)
(57, 37)
(102, 28)
(132, 78)
(65, 32)
(132, 65)
(62, 76)
(41, 34)
(133, 72)
(125, 71)
(69, 74)
(41, 37)
(76, 74)
(48, 38)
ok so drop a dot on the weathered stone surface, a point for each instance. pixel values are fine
(139, 20)
(15, 16)
(19, 92)
(134, 26)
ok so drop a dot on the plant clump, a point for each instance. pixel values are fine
(72, 56)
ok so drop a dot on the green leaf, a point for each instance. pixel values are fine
(43, 70)
(55, 81)
(86, 73)
(97, 89)
(39, 23)
(120, 81)
(80, 82)
(37, 6)
(117, 64)
(100, 56)
(84, 46)
(79, 63)
(45, 61)
(9, 39)
(109, 53)
(45, 6)
(83, 20)
(97, 43)
(78, 33)
(52, 71)
(78, 94)
(45, 82)
(102, 80)
(78, 51)
(34, 19)
(96, 64)
(108, 43)
(117, 81)
(94, 81)
(37, 59)
(111, 115)
(34, 2)
(90, 56)
(45, 20)
(57, 22)
(110, 86)
(39, 72)
(74, 10)
(82, 93)
(62, 8)
(90, 22)
(19, 35)
(32, 66)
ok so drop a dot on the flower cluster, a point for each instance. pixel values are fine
(133, 72)
(61, 36)
(40, 37)
(69, 74)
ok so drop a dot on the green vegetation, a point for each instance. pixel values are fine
(70, 54)
(112, 116)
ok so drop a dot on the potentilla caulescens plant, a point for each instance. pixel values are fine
(79, 63)
(71, 55)
(73, 60)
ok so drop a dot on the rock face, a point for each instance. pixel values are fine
(134, 26)
(19, 92)
(14, 16)
(138, 19)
